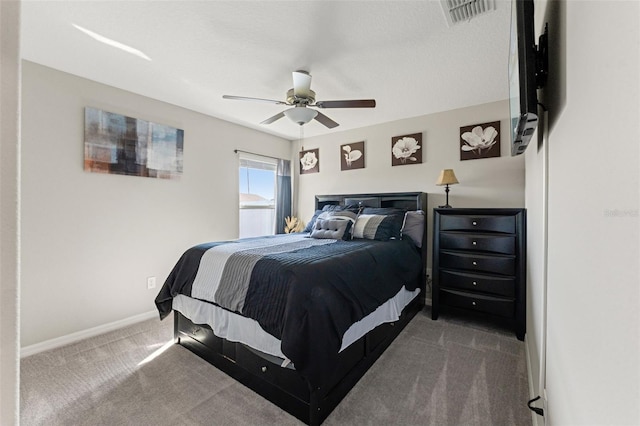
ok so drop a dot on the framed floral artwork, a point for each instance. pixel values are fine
(480, 141)
(406, 149)
(352, 156)
(309, 161)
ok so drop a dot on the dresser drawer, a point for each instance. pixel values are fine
(480, 223)
(503, 265)
(501, 286)
(487, 243)
(475, 302)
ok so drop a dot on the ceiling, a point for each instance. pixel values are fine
(401, 53)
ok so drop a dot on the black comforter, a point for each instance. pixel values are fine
(306, 296)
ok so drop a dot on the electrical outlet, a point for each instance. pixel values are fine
(151, 283)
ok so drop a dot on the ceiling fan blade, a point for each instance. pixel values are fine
(274, 118)
(301, 83)
(355, 103)
(243, 98)
(323, 119)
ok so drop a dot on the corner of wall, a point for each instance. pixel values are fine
(10, 98)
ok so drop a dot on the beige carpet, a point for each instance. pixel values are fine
(445, 372)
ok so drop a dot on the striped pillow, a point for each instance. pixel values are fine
(377, 227)
(342, 214)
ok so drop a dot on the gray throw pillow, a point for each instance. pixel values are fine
(413, 226)
(329, 228)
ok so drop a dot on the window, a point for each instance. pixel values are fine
(257, 195)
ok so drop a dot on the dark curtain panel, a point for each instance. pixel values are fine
(283, 193)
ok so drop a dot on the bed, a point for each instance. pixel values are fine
(299, 318)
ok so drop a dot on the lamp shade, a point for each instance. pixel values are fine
(300, 115)
(447, 177)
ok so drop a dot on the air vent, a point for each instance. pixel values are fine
(457, 11)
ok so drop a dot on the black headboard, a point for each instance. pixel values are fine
(405, 200)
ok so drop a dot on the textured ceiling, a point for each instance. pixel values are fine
(401, 53)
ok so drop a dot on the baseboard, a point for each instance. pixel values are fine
(84, 334)
(536, 420)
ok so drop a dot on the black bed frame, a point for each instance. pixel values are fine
(284, 386)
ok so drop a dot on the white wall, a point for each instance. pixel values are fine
(9, 211)
(593, 288)
(491, 182)
(535, 201)
(90, 240)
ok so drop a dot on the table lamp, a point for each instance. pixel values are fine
(447, 177)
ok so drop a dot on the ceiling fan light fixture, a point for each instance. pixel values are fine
(301, 115)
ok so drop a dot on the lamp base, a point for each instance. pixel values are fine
(446, 205)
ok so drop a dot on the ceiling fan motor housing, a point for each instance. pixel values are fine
(309, 99)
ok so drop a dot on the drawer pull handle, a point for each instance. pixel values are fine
(475, 283)
(474, 243)
(474, 223)
(473, 303)
(475, 263)
(264, 369)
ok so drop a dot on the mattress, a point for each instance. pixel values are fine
(237, 328)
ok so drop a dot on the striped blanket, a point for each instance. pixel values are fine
(304, 291)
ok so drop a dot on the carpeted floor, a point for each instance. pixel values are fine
(445, 372)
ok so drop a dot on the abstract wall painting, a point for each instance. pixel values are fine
(352, 156)
(480, 141)
(406, 149)
(310, 161)
(118, 144)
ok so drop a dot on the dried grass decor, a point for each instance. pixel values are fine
(293, 224)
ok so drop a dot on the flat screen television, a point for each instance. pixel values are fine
(527, 73)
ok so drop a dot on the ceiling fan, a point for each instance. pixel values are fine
(301, 97)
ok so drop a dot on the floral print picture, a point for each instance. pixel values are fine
(480, 141)
(309, 161)
(352, 156)
(406, 149)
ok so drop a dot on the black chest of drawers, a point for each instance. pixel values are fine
(479, 261)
